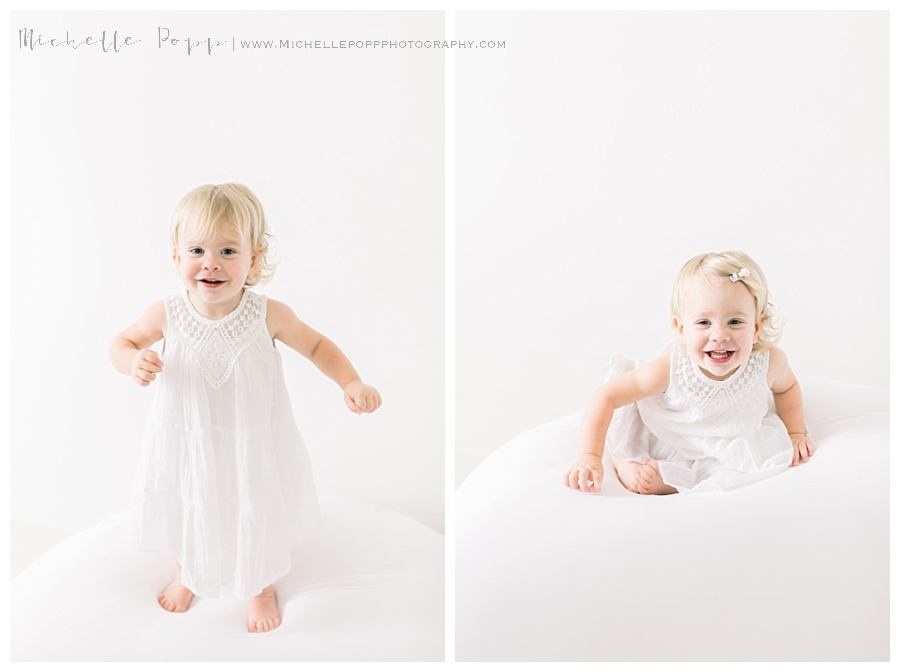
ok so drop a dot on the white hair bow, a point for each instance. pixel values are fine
(743, 273)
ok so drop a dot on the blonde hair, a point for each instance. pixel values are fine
(231, 207)
(724, 265)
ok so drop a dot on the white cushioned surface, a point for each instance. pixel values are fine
(369, 588)
(795, 567)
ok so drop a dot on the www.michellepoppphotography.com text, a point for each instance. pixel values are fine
(115, 41)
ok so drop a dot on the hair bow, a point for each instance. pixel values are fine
(743, 273)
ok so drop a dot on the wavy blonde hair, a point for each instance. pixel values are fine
(724, 264)
(217, 208)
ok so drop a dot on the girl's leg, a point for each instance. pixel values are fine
(262, 611)
(175, 597)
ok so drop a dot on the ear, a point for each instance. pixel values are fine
(678, 326)
(756, 332)
(176, 258)
(254, 264)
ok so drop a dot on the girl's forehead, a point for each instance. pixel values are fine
(212, 233)
(706, 290)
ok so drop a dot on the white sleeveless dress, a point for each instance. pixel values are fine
(706, 434)
(224, 480)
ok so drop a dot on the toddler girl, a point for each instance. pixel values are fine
(224, 481)
(699, 417)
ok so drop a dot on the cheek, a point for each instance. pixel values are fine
(695, 337)
(745, 342)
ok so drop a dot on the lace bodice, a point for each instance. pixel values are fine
(216, 343)
(685, 376)
(696, 406)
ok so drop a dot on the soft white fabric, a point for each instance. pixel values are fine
(707, 434)
(793, 567)
(224, 480)
(368, 587)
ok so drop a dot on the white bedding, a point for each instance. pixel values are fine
(370, 588)
(795, 567)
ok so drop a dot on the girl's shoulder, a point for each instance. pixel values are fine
(662, 366)
(151, 325)
(278, 315)
(779, 369)
(277, 309)
(652, 375)
(777, 357)
(156, 314)
(666, 353)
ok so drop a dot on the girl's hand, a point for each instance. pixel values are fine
(144, 366)
(361, 398)
(585, 474)
(803, 448)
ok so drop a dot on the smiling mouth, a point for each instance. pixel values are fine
(719, 356)
(212, 283)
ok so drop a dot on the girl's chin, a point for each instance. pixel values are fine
(218, 294)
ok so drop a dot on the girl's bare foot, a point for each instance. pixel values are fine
(627, 471)
(175, 597)
(650, 482)
(262, 611)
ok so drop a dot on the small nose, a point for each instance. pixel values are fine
(209, 261)
(718, 334)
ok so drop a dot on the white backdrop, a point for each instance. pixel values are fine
(343, 148)
(599, 151)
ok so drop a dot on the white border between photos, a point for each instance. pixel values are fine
(449, 341)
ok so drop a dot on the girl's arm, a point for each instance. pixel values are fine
(789, 404)
(650, 379)
(285, 326)
(129, 352)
